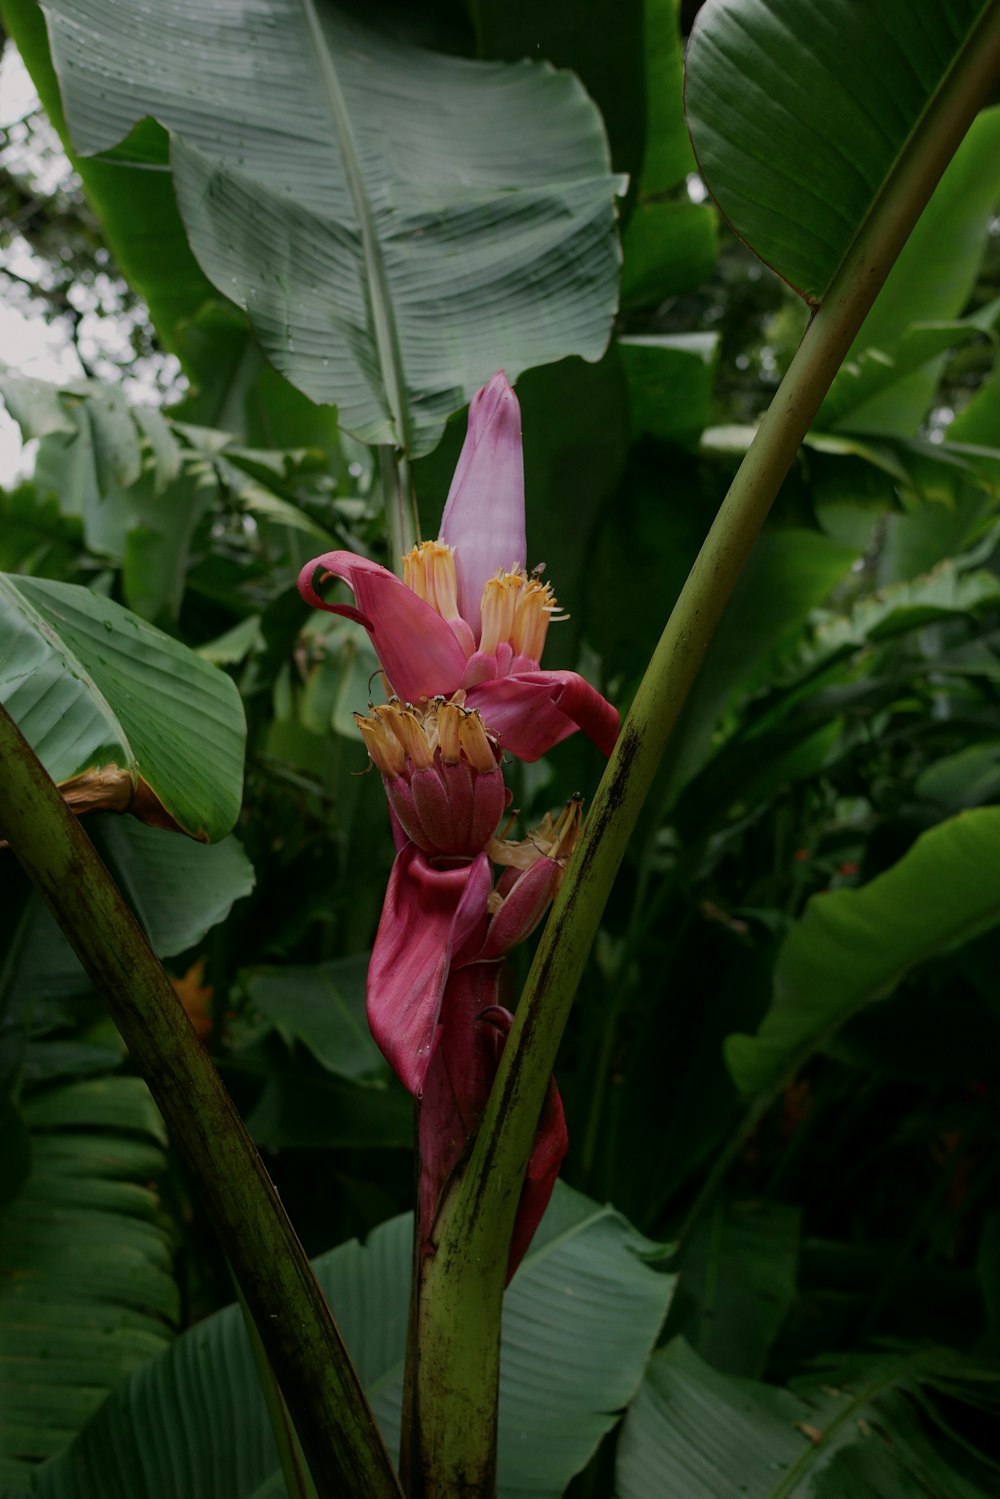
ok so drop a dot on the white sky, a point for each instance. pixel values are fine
(29, 345)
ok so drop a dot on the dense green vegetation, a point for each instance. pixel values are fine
(782, 1068)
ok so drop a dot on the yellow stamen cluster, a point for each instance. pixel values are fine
(554, 838)
(517, 609)
(398, 732)
(429, 569)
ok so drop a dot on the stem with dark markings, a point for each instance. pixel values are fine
(459, 1317)
(342, 1444)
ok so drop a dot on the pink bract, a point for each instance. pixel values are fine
(427, 916)
(483, 516)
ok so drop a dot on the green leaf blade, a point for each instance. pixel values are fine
(854, 946)
(193, 1422)
(94, 687)
(799, 115)
(372, 205)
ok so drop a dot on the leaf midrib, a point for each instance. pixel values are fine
(383, 317)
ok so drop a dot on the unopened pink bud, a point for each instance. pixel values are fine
(484, 515)
(522, 906)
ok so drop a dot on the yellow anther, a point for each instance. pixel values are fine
(476, 745)
(449, 728)
(517, 610)
(383, 747)
(429, 569)
(498, 609)
(536, 605)
(409, 730)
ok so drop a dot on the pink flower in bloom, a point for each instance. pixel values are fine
(460, 639)
(467, 616)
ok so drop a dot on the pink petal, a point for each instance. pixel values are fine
(484, 514)
(525, 899)
(531, 711)
(427, 914)
(418, 650)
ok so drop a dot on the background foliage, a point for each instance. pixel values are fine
(783, 1060)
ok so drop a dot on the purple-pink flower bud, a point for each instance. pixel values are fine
(483, 517)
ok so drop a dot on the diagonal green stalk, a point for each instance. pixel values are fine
(459, 1313)
(342, 1444)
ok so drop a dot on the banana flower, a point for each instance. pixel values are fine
(460, 640)
(467, 616)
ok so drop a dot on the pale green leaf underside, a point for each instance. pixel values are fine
(94, 687)
(854, 946)
(855, 1432)
(580, 1319)
(483, 187)
(798, 114)
(178, 889)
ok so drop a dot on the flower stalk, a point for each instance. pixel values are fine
(459, 1330)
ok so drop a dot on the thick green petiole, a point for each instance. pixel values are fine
(342, 1444)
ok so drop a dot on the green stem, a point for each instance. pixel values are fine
(342, 1444)
(401, 520)
(463, 1282)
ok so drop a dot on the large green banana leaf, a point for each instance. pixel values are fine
(397, 223)
(865, 1430)
(580, 1319)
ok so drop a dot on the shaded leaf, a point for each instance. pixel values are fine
(668, 157)
(853, 946)
(580, 1318)
(323, 1006)
(35, 537)
(670, 384)
(737, 1283)
(799, 117)
(86, 1290)
(670, 249)
(853, 1432)
(133, 719)
(789, 572)
(298, 1110)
